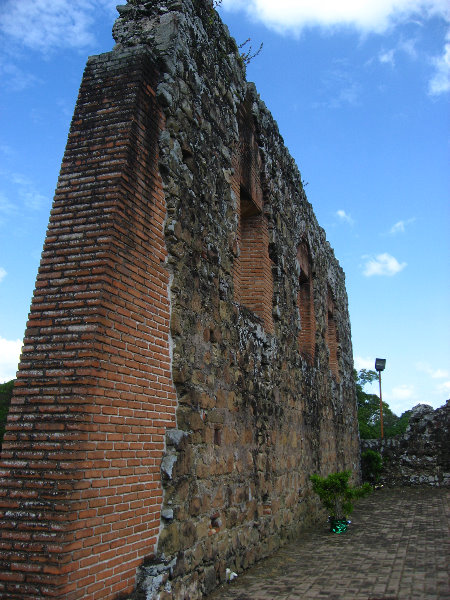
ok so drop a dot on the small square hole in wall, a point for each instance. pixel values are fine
(216, 522)
(188, 158)
(217, 437)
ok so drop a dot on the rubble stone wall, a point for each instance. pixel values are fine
(422, 454)
(169, 410)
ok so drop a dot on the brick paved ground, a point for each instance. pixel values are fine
(397, 548)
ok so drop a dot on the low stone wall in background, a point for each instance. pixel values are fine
(422, 454)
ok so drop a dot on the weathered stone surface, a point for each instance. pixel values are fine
(422, 454)
(211, 372)
(260, 418)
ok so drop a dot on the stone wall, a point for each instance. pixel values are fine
(422, 454)
(188, 362)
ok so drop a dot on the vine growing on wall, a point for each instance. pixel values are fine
(245, 51)
(247, 56)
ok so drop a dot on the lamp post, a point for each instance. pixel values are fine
(380, 364)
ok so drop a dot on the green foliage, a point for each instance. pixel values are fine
(336, 494)
(369, 410)
(6, 390)
(365, 376)
(248, 54)
(371, 466)
(398, 427)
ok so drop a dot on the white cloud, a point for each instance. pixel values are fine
(400, 226)
(9, 358)
(434, 373)
(26, 193)
(444, 388)
(2, 274)
(33, 200)
(402, 392)
(440, 82)
(439, 374)
(14, 78)
(339, 86)
(387, 57)
(343, 216)
(349, 94)
(406, 46)
(383, 264)
(367, 16)
(6, 207)
(47, 26)
(42, 25)
(364, 363)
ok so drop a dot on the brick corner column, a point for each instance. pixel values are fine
(80, 490)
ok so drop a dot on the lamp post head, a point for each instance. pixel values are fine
(380, 364)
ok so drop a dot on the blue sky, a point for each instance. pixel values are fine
(360, 91)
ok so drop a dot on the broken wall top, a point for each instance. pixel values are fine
(198, 58)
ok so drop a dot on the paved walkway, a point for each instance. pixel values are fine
(397, 548)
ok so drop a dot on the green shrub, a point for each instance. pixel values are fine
(336, 494)
(371, 466)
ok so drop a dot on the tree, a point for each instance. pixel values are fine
(6, 390)
(369, 410)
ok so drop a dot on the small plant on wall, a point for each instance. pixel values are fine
(6, 390)
(338, 496)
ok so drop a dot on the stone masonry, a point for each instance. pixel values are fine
(187, 362)
(421, 456)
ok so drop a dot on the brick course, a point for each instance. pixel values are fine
(174, 393)
(80, 473)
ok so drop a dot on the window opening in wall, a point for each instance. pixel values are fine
(332, 338)
(217, 437)
(248, 207)
(251, 254)
(306, 338)
(253, 267)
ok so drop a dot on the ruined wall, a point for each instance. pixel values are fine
(80, 481)
(422, 454)
(188, 361)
